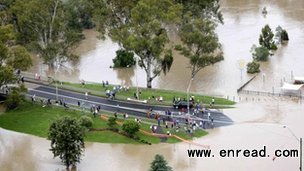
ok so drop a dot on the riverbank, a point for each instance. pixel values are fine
(151, 96)
(34, 119)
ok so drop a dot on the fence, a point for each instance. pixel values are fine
(278, 94)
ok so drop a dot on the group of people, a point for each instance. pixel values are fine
(95, 110)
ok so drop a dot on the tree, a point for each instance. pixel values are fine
(160, 164)
(15, 98)
(12, 55)
(206, 9)
(124, 58)
(266, 38)
(253, 67)
(281, 34)
(19, 58)
(43, 25)
(260, 54)
(67, 140)
(130, 127)
(200, 44)
(141, 27)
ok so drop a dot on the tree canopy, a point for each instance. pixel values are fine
(130, 127)
(142, 26)
(49, 27)
(200, 44)
(12, 55)
(159, 164)
(267, 38)
(67, 140)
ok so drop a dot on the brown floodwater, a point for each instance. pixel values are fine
(243, 23)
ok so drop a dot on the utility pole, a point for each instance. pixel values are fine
(188, 89)
(137, 94)
(300, 154)
(300, 140)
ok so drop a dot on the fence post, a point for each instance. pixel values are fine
(273, 91)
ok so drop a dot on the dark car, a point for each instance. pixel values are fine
(182, 104)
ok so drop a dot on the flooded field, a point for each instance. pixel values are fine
(243, 23)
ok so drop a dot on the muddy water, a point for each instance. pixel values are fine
(255, 125)
(243, 22)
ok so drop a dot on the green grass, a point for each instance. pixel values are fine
(33, 119)
(198, 133)
(168, 95)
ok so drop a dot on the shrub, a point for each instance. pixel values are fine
(13, 100)
(281, 34)
(86, 121)
(124, 58)
(260, 54)
(112, 122)
(130, 127)
(284, 35)
(253, 67)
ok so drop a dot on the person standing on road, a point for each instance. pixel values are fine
(86, 95)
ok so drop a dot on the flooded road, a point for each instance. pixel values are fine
(256, 125)
(243, 23)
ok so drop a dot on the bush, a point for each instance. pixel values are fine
(124, 58)
(284, 35)
(13, 100)
(130, 127)
(112, 122)
(281, 34)
(86, 121)
(260, 54)
(266, 38)
(253, 67)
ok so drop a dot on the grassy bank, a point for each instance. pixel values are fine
(146, 94)
(33, 119)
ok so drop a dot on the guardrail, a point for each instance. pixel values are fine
(245, 84)
(261, 93)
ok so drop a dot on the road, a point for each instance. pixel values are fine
(71, 98)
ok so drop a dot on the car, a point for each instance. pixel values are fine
(182, 104)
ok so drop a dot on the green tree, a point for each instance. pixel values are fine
(200, 44)
(281, 34)
(12, 55)
(112, 122)
(253, 67)
(16, 97)
(160, 164)
(6, 75)
(203, 9)
(67, 140)
(13, 100)
(130, 127)
(267, 38)
(141, 27)
(19, 58)
(124, 58)
(260, 54)
(43, 25)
